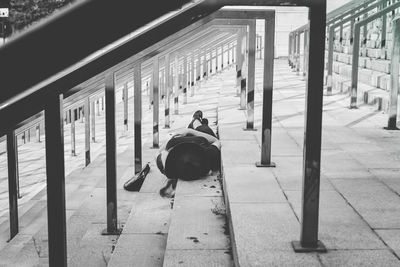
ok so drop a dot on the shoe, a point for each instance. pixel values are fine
(135, 183)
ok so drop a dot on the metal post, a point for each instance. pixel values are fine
(137, 76)
(251, 75)
(98, 106)
(168, 90)
(205, 70)
(216, 59)
(290, 50)
(394, 76)
(210, 68)
(228, 55)
(38, 133)
(74, 114)
(185, 79)
(29, 135)
(87, 131)
(125, 98)
(243, 81)
(198, 72)
(384, 21)
(269, 32)
(13, 177)
(305, 65)
(354, 68)
(312, 137)
(298, 54)
(222, 56)
(239, 61)
(330, 61)
(93, 122)
(55, 171)
(156, 102)
(111, 156)
(192, 74)
(176, 85)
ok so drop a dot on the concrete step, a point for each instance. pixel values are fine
(198, 233)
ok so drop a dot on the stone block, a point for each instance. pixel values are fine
(197, 258)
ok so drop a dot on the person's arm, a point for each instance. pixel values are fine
(211, 139)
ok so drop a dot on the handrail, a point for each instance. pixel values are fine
(44, 88)
(356, 49)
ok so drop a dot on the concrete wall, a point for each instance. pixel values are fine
(288, 19)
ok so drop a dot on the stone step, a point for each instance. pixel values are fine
(198, 233)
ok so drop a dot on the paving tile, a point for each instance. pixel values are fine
(260, 227)
(139, 250)
(252, 184)
(150, 214)
(198, 223)
(349, 258)
(197, 258)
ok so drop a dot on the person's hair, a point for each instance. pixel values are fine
(204, 121)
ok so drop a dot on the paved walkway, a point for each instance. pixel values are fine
(360, 183)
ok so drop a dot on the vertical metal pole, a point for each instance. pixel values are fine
(13, 177)
(98, 106)
(74, 114)
(228, 55)
(55, 171)
(87, 131)
(192, 74)
(239, 61)
(341, 33)
(198, 62)
(251, 75)
(394, 76)
(168, 91)
(354, 68)
(111, 156)
(156, 102)
(222, 56)
(211, 58)
(243, 81)
(125, 98)
(268, 77)
(137, 76)
(185, 79)
(93, 122)
(352, 31)
(305, 67)
(205, 70)
(298, 53)
(290, 50)
(312, 137)
(29, 135)
(384, 21)
(216, 59)
(330, 61)
(38, 133)
(81, 114)
(176, 85)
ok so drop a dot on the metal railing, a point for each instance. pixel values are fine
(46, 87)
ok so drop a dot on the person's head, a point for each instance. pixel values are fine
(204, 121)
(186, 161)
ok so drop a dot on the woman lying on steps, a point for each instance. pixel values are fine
(189, 155)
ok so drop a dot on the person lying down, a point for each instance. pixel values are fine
(189, 154)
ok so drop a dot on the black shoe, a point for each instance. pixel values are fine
(135, 183)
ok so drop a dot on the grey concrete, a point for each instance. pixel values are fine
(359, 187)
